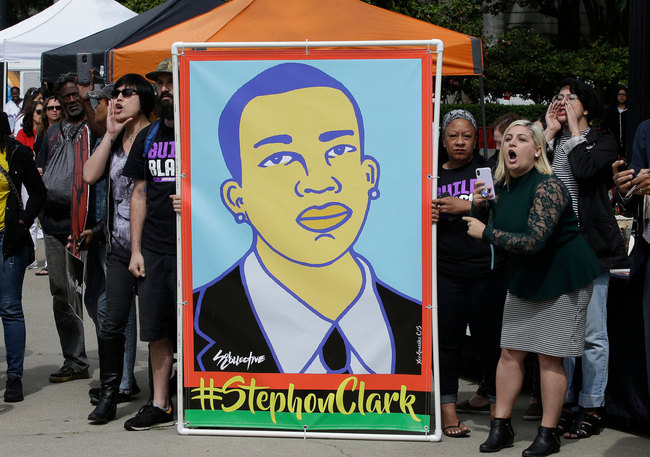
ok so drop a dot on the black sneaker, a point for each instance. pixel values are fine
(150, 416)
(14, 390)
(67, 373)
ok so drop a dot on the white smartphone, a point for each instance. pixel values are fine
(485, 175)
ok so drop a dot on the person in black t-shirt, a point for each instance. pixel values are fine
(151, 165)
(470, 285)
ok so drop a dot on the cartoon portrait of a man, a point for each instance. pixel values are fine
(301, 300)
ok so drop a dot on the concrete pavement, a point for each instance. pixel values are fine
(51, 421)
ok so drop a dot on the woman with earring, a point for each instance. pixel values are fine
(549, 276)
(471, 290)
(128, 113)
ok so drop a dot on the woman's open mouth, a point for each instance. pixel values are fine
(324, 218)
(512, 156)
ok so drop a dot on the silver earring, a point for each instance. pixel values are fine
(240, 218)
(373, 193)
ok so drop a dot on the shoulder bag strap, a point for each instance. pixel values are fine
(12, 186)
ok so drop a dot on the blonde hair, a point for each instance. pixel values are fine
(502, 174)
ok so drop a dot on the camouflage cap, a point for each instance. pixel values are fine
(165, 66)
(104, 92)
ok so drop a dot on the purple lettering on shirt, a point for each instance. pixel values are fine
(162, 151)
(153, 151)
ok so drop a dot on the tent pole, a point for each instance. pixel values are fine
(483, 124)
(4, 86)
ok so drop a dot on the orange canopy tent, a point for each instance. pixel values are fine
(298, 20)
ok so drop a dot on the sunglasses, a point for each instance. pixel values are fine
(38, 111)
(54, 107)
(125, 92)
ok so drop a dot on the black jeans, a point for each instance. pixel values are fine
(479, 303)
(120, 291)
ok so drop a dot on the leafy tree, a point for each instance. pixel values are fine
(522, 62)
(19, 10)
(464, 16)
(140, 6)
(605, 18)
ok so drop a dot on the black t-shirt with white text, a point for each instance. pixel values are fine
(458, 253)
(157, 167)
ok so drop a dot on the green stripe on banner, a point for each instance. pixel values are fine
(314, 421)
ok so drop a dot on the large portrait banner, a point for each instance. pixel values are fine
(306, 243)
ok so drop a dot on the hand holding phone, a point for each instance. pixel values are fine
(633, 188)
(485, 175)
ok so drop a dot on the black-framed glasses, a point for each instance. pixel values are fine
(38, 111)
(126, 92)
(54, 107)
(568, 97)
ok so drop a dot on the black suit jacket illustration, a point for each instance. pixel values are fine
(226, 317)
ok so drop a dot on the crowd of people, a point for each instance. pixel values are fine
(130, 226)
(524, 262)
(547, 232)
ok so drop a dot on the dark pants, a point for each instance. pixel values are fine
(479, 303)
(12, 273)
(640, 277)
(69, 325)
(119, 297)
(95, 281)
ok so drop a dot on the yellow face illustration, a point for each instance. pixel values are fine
(304, 185)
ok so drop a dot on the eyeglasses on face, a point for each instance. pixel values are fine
(126, 92)
(568, 97)
(54, 107)
(38, 111)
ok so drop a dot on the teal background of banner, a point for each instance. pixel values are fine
(389, 93)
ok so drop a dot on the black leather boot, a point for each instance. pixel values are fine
(501, 435)
(546, 443)
(111, 357)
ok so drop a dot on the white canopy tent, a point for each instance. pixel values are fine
(62, 23)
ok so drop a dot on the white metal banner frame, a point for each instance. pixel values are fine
(177, 49)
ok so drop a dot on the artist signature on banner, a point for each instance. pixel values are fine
(224, 360)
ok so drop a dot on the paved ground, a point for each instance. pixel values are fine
(52, 419)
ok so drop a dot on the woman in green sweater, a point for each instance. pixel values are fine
(549, 277)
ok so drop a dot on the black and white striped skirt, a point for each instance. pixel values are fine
(553, 326)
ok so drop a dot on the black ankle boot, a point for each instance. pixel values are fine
(105, 410)
(546, 443)
(501, 435)
(14, 390)
(111, 356)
